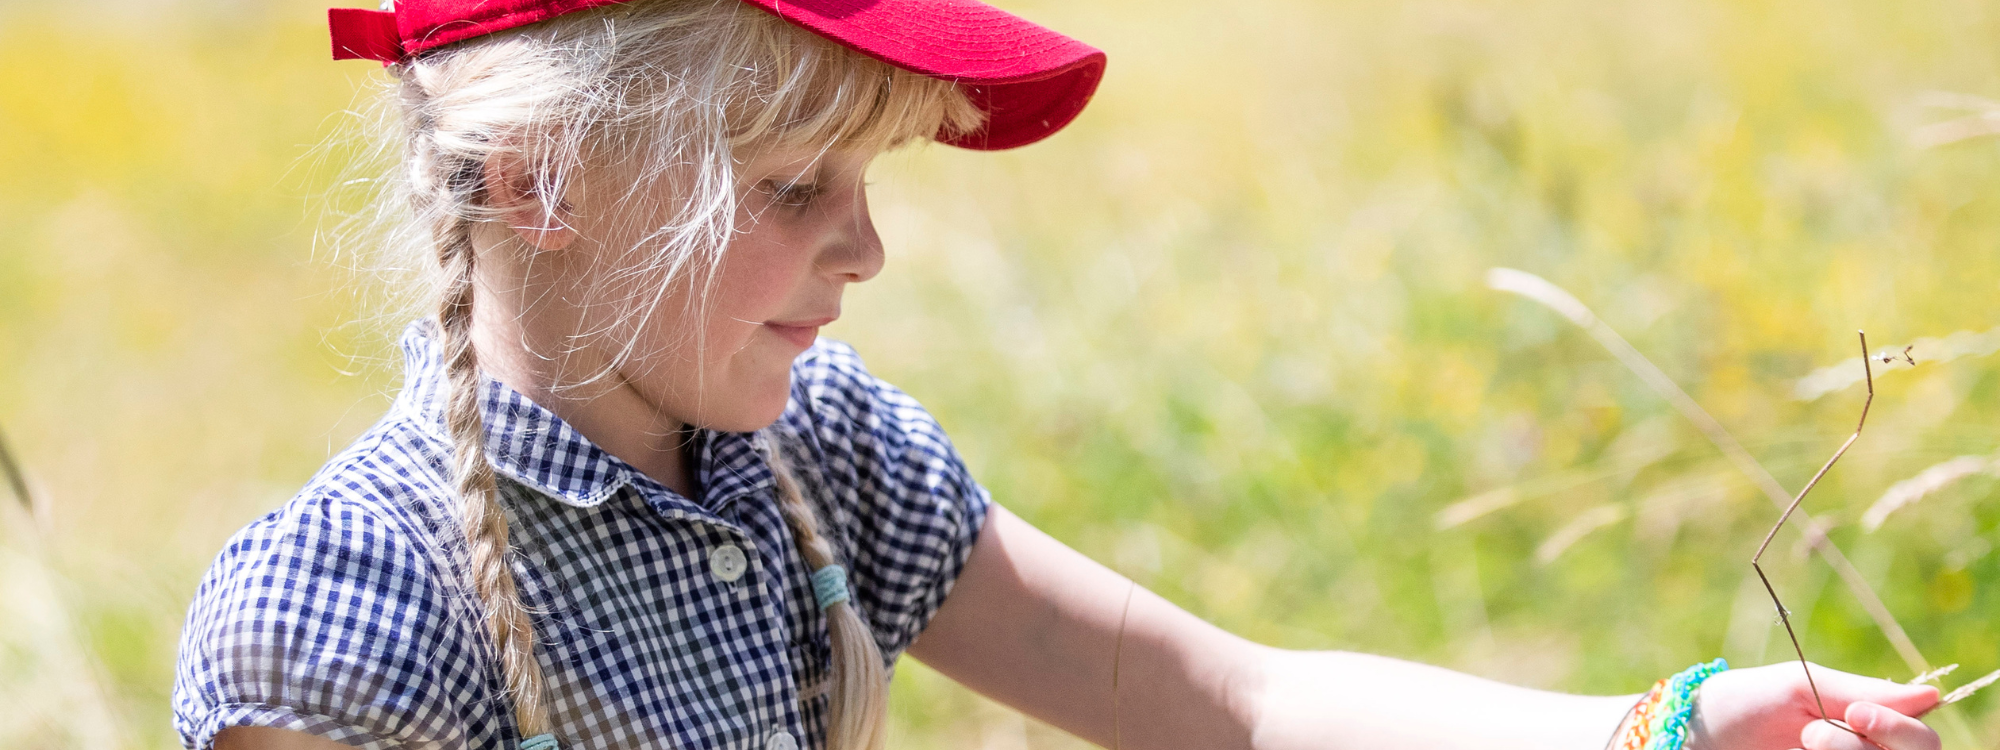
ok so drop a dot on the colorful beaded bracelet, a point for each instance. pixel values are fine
(1660, 720)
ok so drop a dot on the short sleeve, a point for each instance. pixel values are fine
(322, 618)
(901, 497)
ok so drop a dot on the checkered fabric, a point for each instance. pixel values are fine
(663, 622)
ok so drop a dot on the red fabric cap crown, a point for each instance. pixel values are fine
(1029, 81)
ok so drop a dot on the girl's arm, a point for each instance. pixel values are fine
(1036, 625)
(268, 738)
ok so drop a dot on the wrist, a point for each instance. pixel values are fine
(1625, 719)
(1666, 718)
(1698, 737)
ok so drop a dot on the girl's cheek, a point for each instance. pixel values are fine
(760, 275)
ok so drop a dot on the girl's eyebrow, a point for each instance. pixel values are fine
(785, 174)
(813, 174)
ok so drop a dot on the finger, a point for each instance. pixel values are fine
(1840, 689)
(1821, 735)
(1890, 729)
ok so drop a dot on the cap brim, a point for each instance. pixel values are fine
(1029, 80)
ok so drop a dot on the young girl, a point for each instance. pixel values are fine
(627, 498)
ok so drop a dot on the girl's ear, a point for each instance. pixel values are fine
(515, 195)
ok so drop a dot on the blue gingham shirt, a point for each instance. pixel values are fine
(344, 613)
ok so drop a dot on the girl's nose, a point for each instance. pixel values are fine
(858, 256)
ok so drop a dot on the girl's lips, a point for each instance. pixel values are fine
(800, 334)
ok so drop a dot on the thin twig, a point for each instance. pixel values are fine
(1870, 373)
(1555, 298)
(1784, 616)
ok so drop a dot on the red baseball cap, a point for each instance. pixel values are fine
(1030, 81)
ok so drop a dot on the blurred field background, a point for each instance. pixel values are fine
(1229, 333)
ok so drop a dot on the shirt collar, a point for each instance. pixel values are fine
(531, 445)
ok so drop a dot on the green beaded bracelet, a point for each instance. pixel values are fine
(1669, 728)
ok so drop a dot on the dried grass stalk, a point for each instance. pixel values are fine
(1965, 691)
(1933, 675)
(1924, 484)
(1957, 100)
(1476, 506)
(1662, 511)
(1961, 129)
(1981, 118)
(1578, 528)
(1629, 460)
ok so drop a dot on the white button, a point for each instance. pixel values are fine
(781, 740)
(728, 563)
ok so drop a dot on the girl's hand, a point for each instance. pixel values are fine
(1771, 708)
(1883, 727)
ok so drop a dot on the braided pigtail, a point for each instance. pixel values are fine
(446, 188)
(859, 700)
(482, 520)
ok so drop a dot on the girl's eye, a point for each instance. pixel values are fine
(791, 194)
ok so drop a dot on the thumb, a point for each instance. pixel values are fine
(1841, 689)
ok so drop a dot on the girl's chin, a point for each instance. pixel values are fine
(750, 412)
(749, 391)
(747, 421)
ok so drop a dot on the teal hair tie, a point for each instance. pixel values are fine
(829, 587)
(540, 742)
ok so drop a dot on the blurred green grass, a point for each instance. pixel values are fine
(1228, 333)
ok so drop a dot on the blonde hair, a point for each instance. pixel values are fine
(683, 89)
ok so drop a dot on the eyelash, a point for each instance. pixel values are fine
(792, 195)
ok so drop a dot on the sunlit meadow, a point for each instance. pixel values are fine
(1229, 334)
